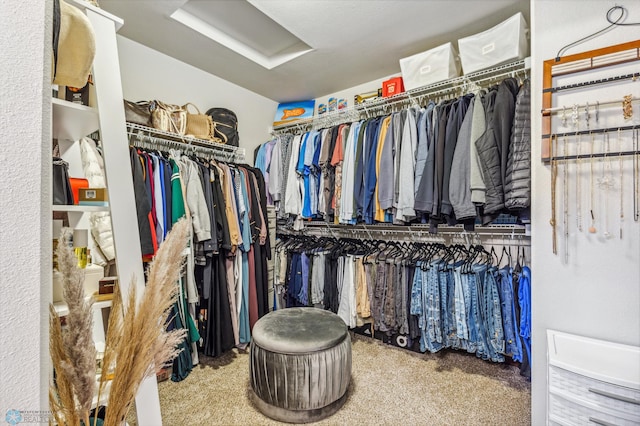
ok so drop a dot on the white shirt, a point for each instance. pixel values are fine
(293, 196)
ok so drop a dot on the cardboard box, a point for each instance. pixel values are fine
(93, 194)
(503, 43)
(434, 65)
(106, 285)
(163, 374)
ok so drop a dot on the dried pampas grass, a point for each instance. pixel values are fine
(75, 357)
(144, 344)
(137, 342)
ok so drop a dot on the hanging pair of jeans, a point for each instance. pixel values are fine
(476, 285)
(513, 346)
(493, 316)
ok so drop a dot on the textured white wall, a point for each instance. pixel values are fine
(148, 74)
(597, 294)
(25, 217)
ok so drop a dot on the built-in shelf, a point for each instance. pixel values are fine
(79, 209)
(63, 310)
(73, 121)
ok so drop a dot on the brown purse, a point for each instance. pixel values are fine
(168, 117)
(198, 125)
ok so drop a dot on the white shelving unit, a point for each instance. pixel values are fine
(63, 310)
(72, 122)
(79, 209)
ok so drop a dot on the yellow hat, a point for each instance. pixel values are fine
(76, 47)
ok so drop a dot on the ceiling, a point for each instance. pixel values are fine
(304, 49)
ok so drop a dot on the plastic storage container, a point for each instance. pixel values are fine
(432, 66)
(505, 42)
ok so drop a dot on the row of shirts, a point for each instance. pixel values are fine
(456, 161)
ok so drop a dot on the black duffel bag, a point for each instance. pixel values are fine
(225, 125)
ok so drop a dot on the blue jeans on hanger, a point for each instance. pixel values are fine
(509, 322)
(493, 316)
(476, 284)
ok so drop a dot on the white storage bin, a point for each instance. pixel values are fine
(505, 42)
(437, 64)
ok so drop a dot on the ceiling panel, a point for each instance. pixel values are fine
(354, 41)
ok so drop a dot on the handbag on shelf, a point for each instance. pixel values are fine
(198, 125)
(62, 194)
(138, 112)
(225, 125)
(168, 117)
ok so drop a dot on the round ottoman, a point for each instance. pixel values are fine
(300, 364)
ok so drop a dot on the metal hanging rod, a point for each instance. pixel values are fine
(493, 238)
(591, 131)
(634, 76)
(410, 97)
(599, 155)
(147, 137)
(386, 229)
(585, 106)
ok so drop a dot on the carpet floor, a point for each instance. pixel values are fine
(389, 386)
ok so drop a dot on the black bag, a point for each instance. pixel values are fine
(225, 125)
(62, 194)
(56, 35)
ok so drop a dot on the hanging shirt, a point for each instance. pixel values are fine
(409, 143)
(275, 174)
(322, 164)
(382, 174)
(348, 175)
(293, 199)
(370, 178)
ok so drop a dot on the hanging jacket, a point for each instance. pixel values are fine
(143, 205)
(493, 145)
(459, 184)
(518, 178)
(93, 167)
(453, 130)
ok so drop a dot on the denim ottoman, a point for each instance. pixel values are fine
(300, 364)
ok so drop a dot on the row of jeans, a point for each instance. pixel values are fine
(438, 296)
(475, 307)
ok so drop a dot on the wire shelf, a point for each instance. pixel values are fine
(458, 86)
(142, 136)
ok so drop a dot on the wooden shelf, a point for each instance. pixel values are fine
(73, 121)
(79, 209)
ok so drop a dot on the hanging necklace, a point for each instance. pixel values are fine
(605, 182)
(636, 183)
(621, 182)
(565, 201)
(554, 179)
(578, 174)
(592, 228)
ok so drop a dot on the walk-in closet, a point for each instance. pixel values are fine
(320, 212)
